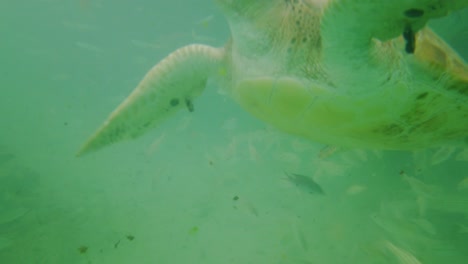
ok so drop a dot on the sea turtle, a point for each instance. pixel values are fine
(357, 73)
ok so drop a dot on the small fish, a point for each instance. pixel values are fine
(88, 47)
(419, 187)
(403, 256)
(145, 44)
(442, 154)
(421, 190)
(201, 38)
(355, 189)
(10, 216)
(205, 22)
(155, 144)
(305, 183)
(229, 124)
(251, 208)
(300, 237)
(288, 157)
(425, 225)
(253, 153)
(79, 26)
(184, 123)
(327, 151)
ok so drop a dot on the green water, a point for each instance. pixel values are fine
(205, 187)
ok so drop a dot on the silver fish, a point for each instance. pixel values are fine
(403, 256)
(305, 183)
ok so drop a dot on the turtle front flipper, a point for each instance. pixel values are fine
(170, 85)
(355, 31)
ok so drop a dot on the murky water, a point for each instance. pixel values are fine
(208, 186)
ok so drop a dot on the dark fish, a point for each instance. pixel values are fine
(305, 183)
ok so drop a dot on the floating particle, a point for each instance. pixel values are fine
(193, 230)
(83, 249)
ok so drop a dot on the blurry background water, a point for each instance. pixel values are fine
(207, 186)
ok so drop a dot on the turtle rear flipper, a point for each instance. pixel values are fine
(170, 85)
(350, 29)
